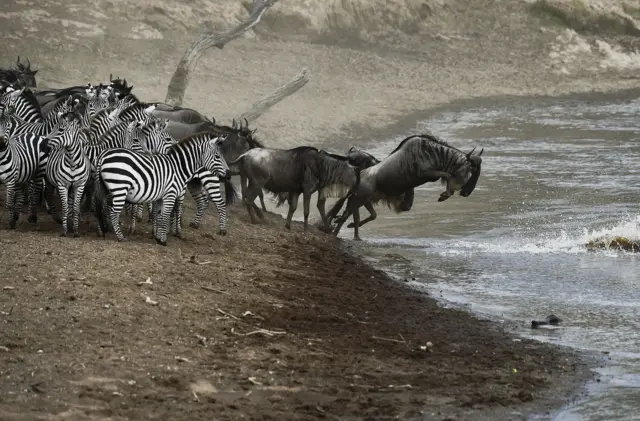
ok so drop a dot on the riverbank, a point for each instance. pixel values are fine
(261, 324)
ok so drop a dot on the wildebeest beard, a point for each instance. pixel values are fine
(470, 185)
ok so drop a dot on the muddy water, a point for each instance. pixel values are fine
(555, 175)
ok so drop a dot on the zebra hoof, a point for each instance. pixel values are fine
(222, 232)
(162, 243)
(32, 219)
(76, 235)
(57, 220)
(194, 225)
(12, 224)
(63, 234)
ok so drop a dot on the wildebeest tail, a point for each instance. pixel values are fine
(99, 201)
(234, 166)
(230, 193)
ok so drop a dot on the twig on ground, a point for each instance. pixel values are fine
(254, 381)
(260, 331)
(146, 282)
(5, 313)
(390, 340)
(211, 289)
(182, 359)
(195, 396)
(227, 314)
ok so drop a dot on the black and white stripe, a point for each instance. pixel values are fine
(68, 168)
(23, 159)
(134, 177)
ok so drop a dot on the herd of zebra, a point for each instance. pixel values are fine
(104, 151)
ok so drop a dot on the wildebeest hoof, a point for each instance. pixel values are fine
(222, 232)
(76, 235)
(357, 239)
(32, 219)
(194, 225)
(550, 320)
(351, 225)
(287, 226)
(443, 197)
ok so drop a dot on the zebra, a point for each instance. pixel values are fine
(48, 123)
(205, 187)
(24, 103)
(23, 159)
(68, 168)
(134, 177)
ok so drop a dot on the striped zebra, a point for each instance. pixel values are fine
(24, 104)
(68, 168)
(205, 187)
(48, 123)
(134, 177)
(23, 160)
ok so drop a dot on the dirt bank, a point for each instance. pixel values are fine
(262, 324)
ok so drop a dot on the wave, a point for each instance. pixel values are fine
(565, 242)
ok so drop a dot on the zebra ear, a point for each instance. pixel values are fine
(166, 124)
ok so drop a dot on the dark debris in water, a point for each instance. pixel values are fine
(550, 320)
(616, 243)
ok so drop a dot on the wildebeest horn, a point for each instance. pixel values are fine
(18, 62)
(233, 123)
(351, 149)
(246, 122)
(481, 150)
(28, 64)
(110, 76)
(471, 153)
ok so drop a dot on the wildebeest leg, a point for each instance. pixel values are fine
(345, 215)
(249, 195)
(356, 224)
(321, 208)
(372, 216)
(293, 205)
(261, 196)
(306, 205)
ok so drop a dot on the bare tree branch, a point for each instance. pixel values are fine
(191, 56)
(276, 96)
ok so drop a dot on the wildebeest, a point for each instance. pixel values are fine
(21, 76)
(418, 159)
(361, 159)
(291, 172)
(179, 114)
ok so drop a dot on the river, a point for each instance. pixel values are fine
(556, 173)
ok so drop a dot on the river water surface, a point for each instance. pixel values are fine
(556, 173)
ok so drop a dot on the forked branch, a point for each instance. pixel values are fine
(274, 97)
(180, 79)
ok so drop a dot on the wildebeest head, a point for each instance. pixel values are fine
(361, 159)
(476, 164)
(28, 75)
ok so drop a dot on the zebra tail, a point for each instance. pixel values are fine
(230, 193)
(99, 196)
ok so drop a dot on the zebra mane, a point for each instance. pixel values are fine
(33, 101)
(191, 139)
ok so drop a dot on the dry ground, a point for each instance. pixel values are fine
(263, 324)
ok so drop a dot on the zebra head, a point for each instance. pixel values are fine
(90, 90)
(10, 97)
(153, 136)
(213, 160)
(65, 132)
(69, 105)
(5, 127)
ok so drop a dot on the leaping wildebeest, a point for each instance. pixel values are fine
(418, 159)
(290, 172)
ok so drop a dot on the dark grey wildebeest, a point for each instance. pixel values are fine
(417, 160)
(400, 203)
(179, 114)
(291, 172)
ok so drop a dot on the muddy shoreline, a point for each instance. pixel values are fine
(302, 329)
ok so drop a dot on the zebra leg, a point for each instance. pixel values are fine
(77, 199)
(63, 192)
(21, 193)
(35, 199)
(117, 204)
(139, 213)
(152, 212)
(202, 203)
(165, 206)
(221, 207)
(48, 201)
(11, 197)
(178, 209)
